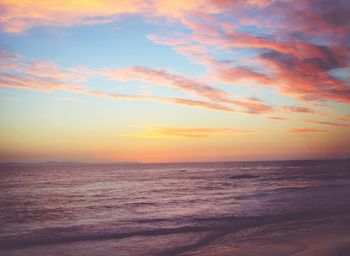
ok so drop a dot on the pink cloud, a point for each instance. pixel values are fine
(296, 67)
(197, 88)
(254, 106)
(327, 123)
(303, 130)
(296, 109)
(188, 102)
(166, 78)
(47, 76)
(21, 73)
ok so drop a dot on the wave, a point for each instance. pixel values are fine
(244, 176)
(21, 243)
(268, 192)
(213, 228)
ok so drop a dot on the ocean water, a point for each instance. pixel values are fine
(251, 208)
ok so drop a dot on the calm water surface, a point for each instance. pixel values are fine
(176, 209)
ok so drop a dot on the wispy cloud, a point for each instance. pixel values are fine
(169, 100)
(22, 73)
(296, 109)
(303, 130)
(164, 77)
(277, 118)
(176, 132)
(189, 85)
(327, 123)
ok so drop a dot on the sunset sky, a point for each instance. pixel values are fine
(174, 80)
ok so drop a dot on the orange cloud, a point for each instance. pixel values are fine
(277, 118)
(175, 132)
(18, 16)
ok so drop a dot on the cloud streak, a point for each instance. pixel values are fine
(306, 130)
(177, 132)
(328, 123)
(185, 84)
(25, 74)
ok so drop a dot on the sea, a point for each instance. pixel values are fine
(299, 208)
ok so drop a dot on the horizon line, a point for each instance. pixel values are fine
(152, 163)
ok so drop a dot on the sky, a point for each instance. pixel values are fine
(174, 81)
